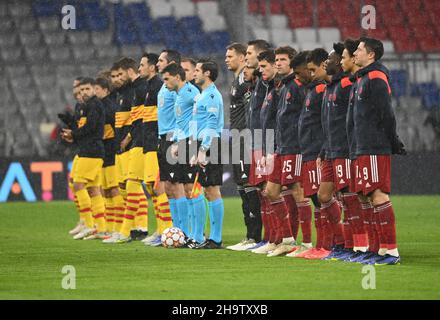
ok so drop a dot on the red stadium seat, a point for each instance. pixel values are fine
(276, 7)
(300, 21)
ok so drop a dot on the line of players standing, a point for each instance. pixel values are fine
(333, 132)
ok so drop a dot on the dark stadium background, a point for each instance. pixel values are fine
(39, 60)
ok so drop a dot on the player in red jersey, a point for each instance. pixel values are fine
(376, 139)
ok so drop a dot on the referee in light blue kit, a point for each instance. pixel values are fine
(170, 173)
(174, 78)
(206, 128)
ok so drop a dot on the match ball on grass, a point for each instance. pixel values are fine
(172, 238)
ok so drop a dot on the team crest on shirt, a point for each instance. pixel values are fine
(162, 101)
(233, 91)
(121, 101)
(81, 112)
(146, 96)
(178, 110)
(288, 95)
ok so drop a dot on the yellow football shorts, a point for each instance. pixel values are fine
(136, 163)
(151, 166)
(88, 170)
(74, 165)
(109, 177)
(122, 166)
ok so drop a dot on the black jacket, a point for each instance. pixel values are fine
(256, 101)
(289, 110)
(268, 117)
(334, 117)
(90, 129)
(311, 136)
(140, 89)
(110, 147)
(124, 100)
(373, 117)
(237, 109)
(151, 130)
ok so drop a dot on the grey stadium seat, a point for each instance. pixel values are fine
(83, 53)
(28, 24)
(60, 54)
(49, 24)
(101, 38)
(19, 9)
(36, 54)
(107, 52)
(8, 39)
(55, 38)
(11, 54)
(78, 38)
(31, 39)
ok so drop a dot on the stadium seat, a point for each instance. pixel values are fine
(309, 45)
(78, 38)
(28, 24)
(207, 8)
(261, 33)
(214, 24)
(183, 8)
(19, 9)
(11, 54)
(278, 21)
(305, 35)
(45, 8)
(60, 54)
(329, 35)
(36, 54)
(30, 39)
(8, 40)
(107, 52)
(281, 36)
(398, 82)
(99, 38)
(388, 46)
(55, 38)
(49, 24)
(159, 8)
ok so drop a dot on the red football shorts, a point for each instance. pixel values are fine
(337, 171)
(286, 169)
(354, 175)
(310, 177)
(258, 173)
(374, 173)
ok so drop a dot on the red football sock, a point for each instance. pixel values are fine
(318, 226)
(388, 223)
(305, 220)
(348, 232)
(360, 236)
(367, 216)
(281, 219)
(332, 211)
(293, 212)
(264, 217)
(380, 236)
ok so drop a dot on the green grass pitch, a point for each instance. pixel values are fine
(35, 245)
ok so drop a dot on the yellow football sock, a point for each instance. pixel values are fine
(156, 214)
(123, 193)
(164, 212)
(118, 209)
(109, 214)
(85, 206)
(98, 209)
(142, 214)
(134, 191)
